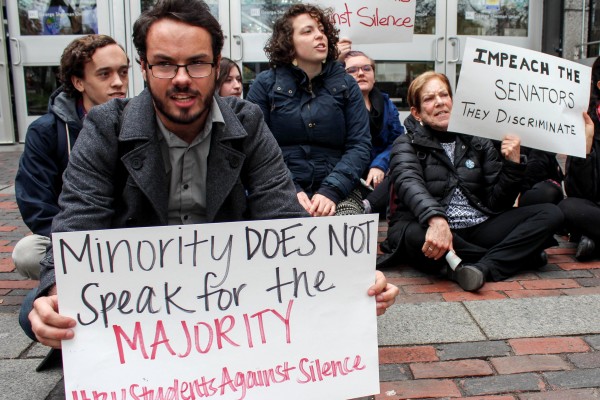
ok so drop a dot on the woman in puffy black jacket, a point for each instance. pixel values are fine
(456, 193)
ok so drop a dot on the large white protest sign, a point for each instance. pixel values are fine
(505, 89)
(374, 21)
(246, 310)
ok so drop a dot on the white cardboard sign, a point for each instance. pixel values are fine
(376, 21)
(504, 89)
(245, 310)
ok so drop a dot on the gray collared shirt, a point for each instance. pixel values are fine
(186, 166)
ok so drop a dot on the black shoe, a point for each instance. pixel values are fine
(52, 360)
(585, 248)
(468, 277)
(543, 259)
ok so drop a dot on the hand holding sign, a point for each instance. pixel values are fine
(511, 148)
(589, 133)
(236, 310)
(344, 47)
(50, 327)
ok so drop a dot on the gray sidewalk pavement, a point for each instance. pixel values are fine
(433, 323)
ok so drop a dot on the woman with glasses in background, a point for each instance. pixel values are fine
(384, 124)
(314, 109)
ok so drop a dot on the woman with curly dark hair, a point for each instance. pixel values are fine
(314, 109)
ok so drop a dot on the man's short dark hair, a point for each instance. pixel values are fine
(78, 53)
(191, 12)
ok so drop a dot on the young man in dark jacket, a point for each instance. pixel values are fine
(93, 70)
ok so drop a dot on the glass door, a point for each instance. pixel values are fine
(7, 131)
(251, 25)
(513, 22)
(397, 63)
(39, 32)
(441, 28)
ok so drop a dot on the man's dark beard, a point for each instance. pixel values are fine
(184, 117)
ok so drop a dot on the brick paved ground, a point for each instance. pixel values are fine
(531, 368)
(523, 368)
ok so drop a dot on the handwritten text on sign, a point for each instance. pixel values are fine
(377, 21)
(265, 309)
(505, 89)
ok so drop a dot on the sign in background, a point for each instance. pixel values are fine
(247, 310)
(371, 22)
(504, 89)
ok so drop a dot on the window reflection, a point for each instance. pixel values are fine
(493, 17)
(249, 72)
(57, 17)
(425, 17)
(594, 29)
(40, 82)
(258, 16)
(394, 77)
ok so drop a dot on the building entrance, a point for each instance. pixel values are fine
(39, 30)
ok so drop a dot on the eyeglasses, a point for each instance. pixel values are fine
(364, 68)
(194, 70)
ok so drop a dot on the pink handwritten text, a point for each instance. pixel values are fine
(369, 18)
(203, 336)
(305, 371)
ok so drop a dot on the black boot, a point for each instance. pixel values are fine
(537, 260)
(585, 248)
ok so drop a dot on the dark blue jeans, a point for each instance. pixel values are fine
(26, 307)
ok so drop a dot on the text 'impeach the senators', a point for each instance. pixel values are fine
(538, 97)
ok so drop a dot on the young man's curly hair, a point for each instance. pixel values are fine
(280, 46)
(76, 55)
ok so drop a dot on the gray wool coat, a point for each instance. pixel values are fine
(116, 176)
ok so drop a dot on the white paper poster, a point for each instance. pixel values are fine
(376, 21)
(504, 89)
(246, 310)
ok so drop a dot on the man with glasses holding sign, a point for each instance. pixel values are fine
(176, 154)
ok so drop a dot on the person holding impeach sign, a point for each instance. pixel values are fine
(582, 181)
(543, 178)
(455, 193)
(315, 110)
(175, 154)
